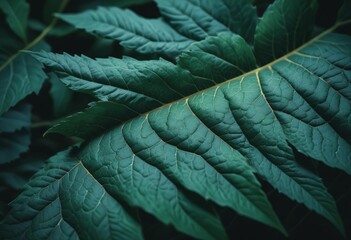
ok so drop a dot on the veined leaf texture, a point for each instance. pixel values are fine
(230, 100)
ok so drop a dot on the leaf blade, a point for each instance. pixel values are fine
(121, 80)
(206, 18)
(143, 185)
(19, 78)
(16, 16)
(12, 145)
(284, 26)
(133, 31)
(99, 117)
(15, 119)
(43, 201)
(209, 59)
(15, 135)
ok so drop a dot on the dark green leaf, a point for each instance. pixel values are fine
(13, 144)
(208, 18)
(64, 186)
(16, 12)
(98, 118)
(14, 175)
(209, 59)
(18, 117)
(140, 168)
(211, 51)
(257, 114)
(189, 20)
(315, 115)
(177, 136)
(14, 132)
(123, 80)
(12, 181)
(19, 77)
(133, 31)
(238, 113)
(284, 26)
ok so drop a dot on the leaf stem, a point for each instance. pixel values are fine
(38, 38)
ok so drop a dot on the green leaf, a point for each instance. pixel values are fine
(122, 80)
(162, 77)
(19, 77)
(202, 137)
(240, 108)
(18, 117)
(16, 12)
(209, 59)
(237, 113)
(147, 168)
(183, 22)
(98, 118)
(316, 120)
(200, 19)
(14, 133)
(60, 94)
(62, 188)
(14, 175)
(13, 144)
(12, 181)
(259, 121)
(284, 26)
(133, 31)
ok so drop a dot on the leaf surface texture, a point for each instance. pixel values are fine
(206, 124)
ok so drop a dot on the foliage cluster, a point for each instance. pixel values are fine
(204, 119)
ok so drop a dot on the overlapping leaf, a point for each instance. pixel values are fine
(16, 12)
(246, 113)
(279, 31)
(98, 118)
(134, 32)
(122, 80)
(15, 175)
(200, 19)
(169, 35)
(64, 193)
(15, 119)
(256, 119)
(14, 133)
(209, 60)
(20, 75)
